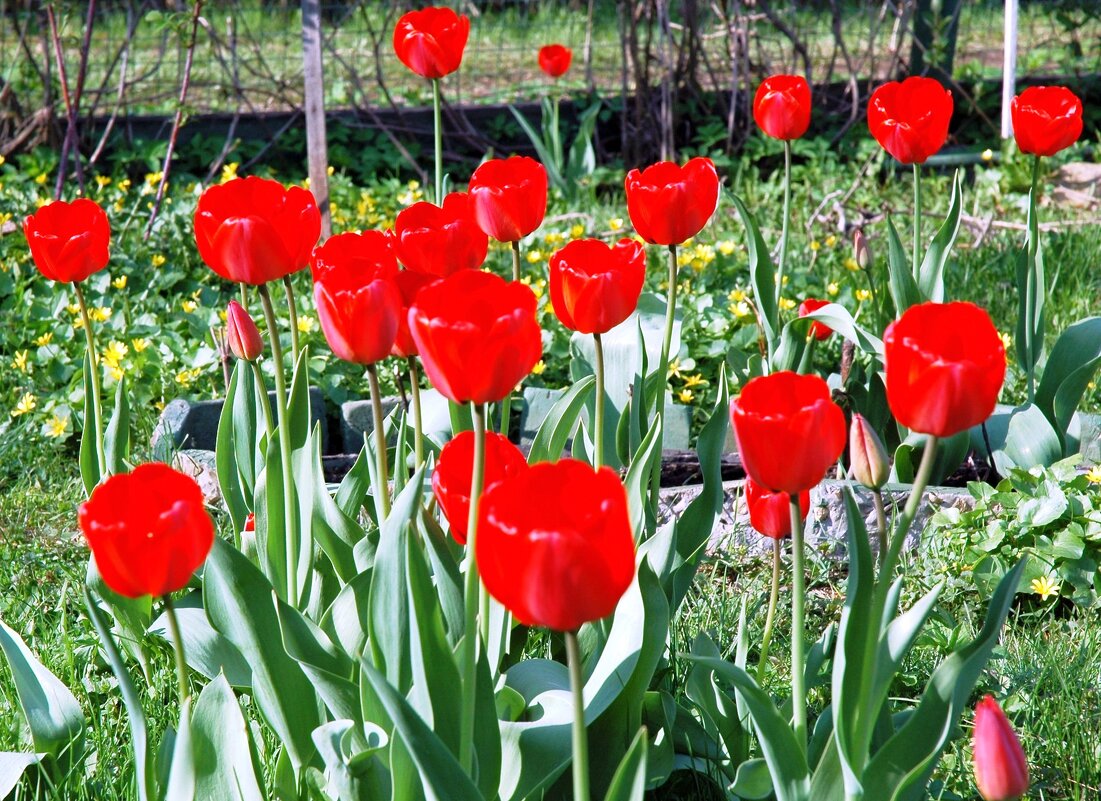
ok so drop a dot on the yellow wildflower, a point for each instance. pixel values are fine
(685, 396)
(41, 179)
(73, 309)
(694, 381)
(554, 238)
(831, 240)
(187, 377)
(124, 185)
(56, 427)
(100, 314)
(305, 324)
(684, 258)
(863, 295)
(158, 260)
(102, 181)
(1093, 475)
(45, 339)
(330, 170)
(815, 245)
(189, 306)
(114, 353)
(851, 264)
(25, 405)
(1007, 341)
(1045, 587)
(119, 283)
(740, 309)
(534, 256)
(20, 361)
(229, 172)
(153, 178)
(539, 368)
(116, 372)
(737, 296)
(674, 368)
(725, 246)
(39, 202)
(832, 289)
(578, 230)
(988, 155)
(139, 344)
(615, 224)
(787, 304)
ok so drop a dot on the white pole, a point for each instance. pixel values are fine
(1009, 67)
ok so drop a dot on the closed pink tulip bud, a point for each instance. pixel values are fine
(861, 252)
(1001, 770)
(242, 336)
(867, 455)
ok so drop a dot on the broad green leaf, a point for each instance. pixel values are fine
(53, 715)
(352, 492)
(12, 767)
(180, 785)
(629, 781)
(227, 455)
(88, 457)
(762, 275)
(448, 581)
(298, 402)
(1031, 295)
(1022, 438)
(225, 759)
(904, 289)
(208, 652)
(543, 148)
(346, 619)
(559, 424)
(334, 531)
(753, 780)
(116, 439)
(838, 318)
(930, 276)
(1071, 366)
(639, 475)
(582, 157)
(348, 775)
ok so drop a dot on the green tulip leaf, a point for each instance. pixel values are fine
(228, 446)
(1073, 362)
(221, 742)
(762, 275)
(903, 287)
(180, 782)
(629, 781)
(930, 275)
(1031, 295)
(208, 652)
(88, 457)
(550, 440)
(12, 767)
(116, 439)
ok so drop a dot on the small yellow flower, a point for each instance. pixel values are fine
(1, 161)
(25, 405)
(102, 181)
(1093, 475)
(153, 178)
(229, 172)
(725, 246)
(186, 377)
(56, 427)
(851, 264)
(553, 238)
(615, 224)
(832, 289)
(831, 240)
(674, 368)
(684, 258)
(115, 371)
(1007, 341)
(863, 295)
(578, 230)
(39, 202)
(787, 304)
(534, 256)
(988, 155)
(119, 283)
(330, 170)
(139, 344)
(740, 309)
(305, 324)
(41, 179)
(539, 368)
(20, 361)
(189, 306)
(158, 260)
(114, 353)
(736, 296)
(694, 381)
(1045, 587)
(685, 396)
(124, 185)
(45, 339)
(100, 314)
(549, 308)
(815, 245)
(73, 309)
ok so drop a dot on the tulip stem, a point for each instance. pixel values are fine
(178, 647)
(244, 295)
(516, 261)
(663, 365)
(881, 523)
(1031, 289)
(598, 419)
(292, 310)
(437, 124)
(472, 590)
(262, 392)
(917, 219)
(382, 491)
(97, 390)
(580, 733)
(770, 615)
(418, 420)
(798, 607)
(785, 223)
(902, 525)
(290, 518)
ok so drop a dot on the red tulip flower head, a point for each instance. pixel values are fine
(789, 430)
(148, 530)
(253, 230)
(819, 331)
(409, 284)
(476, 334)
(440, 240)
(358, 302)
(242, 335)
(509, 196)
(595, 287)
(451, 480)
(554, 59)
(668, 203)
(770, 512)
(555, 544)
(945, 365)
(910, 119)
(430, 42)
(1001, 770)
(69, 241)
(1046, 119)
(781, 106)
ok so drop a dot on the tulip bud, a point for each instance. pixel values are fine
(867, 454)
(861, 252)
(1001, 770)
(242, 336)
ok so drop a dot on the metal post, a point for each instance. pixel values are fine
(314, 85)
(1009, 67)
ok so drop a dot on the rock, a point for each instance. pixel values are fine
(357, 419)
(201, 466)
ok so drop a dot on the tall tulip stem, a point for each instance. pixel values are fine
(917, 219)
(292, 311)
(382, 491)
(580, 733)
(598, 421)
(902, 525)
(785, 223)
(506, 403)
(97, 390)
(472, 591)
(516, 261)
(290, 516)
(418, 419)
(881, 524)
(262, 392)
(437, 124)
(663, 365)
(770, 615)
(798, 609)
(1031, 288)
(178, 647)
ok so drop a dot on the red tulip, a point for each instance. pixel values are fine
(148, 530)
(770, 512)
(555, 545)
(945, 365)
(1001, 770)
(1046, 119)
(440, 240)
(242, 335)
(476, 335)
(510, 197)
(451, 480)
(253, 230)
(595, 287)
(69, 241)
(668, 203)
(358, 302)
(409, 284)
(781, 106)
(821, 331)
(430, 42)
(554, 59)
(910, 119)
(789, 430)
